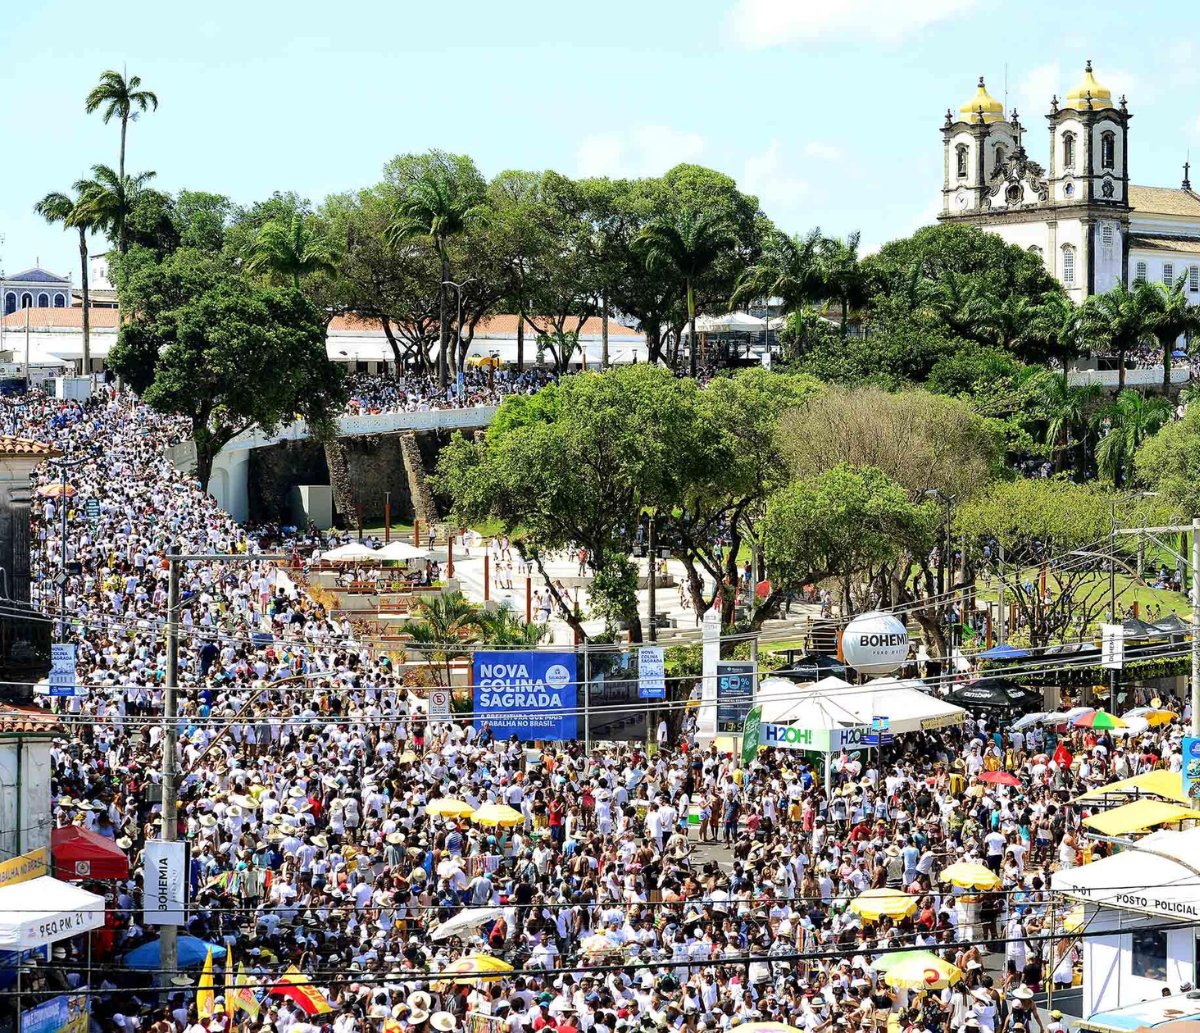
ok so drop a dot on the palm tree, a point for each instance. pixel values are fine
(964, 305)
(111, 198)
(435, 207)
(1171, 316)
(686, 245)
(120, 96)
(503, 627)
(1056, 326)
(789, 269)
(1118, 320)
(1012, 322)
(1131, 419)
(290, 249)
(75, 213)
(443, 623)
(842, 275)
(1069, 412)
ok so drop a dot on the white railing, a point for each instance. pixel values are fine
(374, 423)
(1144, 376)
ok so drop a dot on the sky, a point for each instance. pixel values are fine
(829, 112)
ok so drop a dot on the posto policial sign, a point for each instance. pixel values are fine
(875, 643)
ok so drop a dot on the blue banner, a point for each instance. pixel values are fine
(530, 695)
(735, 695)
(1191, 767)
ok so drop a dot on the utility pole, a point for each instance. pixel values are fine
(1195, 625)
(652, 568)
(1003, 638)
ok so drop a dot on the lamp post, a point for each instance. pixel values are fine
(946, 566)
(1114, 673)
(63, 465)
(458, 289)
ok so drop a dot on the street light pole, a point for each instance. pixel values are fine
(1195, 625)
(458, 289)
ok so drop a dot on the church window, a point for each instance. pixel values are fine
(1068, 147)
(60, 301)
(1140, 275)
(1108, 150)
(961, 156)
(1168, 274)
(1000, 156)
(43, 301)
(10, 303)
(1194, 278)
(1068, 266)
(26, 301)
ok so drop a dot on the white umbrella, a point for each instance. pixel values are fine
(1027, 721)
(1066, 718)
(466, 922)
(401, 551)
(349, 553)
(1133, 726)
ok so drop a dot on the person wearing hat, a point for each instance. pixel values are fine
(1023, 1011)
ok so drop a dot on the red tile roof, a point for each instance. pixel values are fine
(496, 326)
(11, 446)
(61, 318)
(27, 719)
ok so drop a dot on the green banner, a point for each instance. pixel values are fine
(750, 734)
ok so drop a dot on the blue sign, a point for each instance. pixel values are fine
(877, 739)
(652, 673)
(1191, 767)
(530, 695)
(880, 724)
(735, 695)
(65, 1014)
(460, 384)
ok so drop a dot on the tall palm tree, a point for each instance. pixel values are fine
(1131, 419)
(842, 273)
(440, 624)
(964, 305)
(110, 199)
(686, 245)
(1069, 413)
(435, 207)
(290, 249)
(1012, 322)
(1171, 315)
(789, 269)
(503, 627)
(75, 213)
(1118, 320)
(1056, 327)
(119, 97)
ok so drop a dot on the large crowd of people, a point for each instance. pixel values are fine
(410, 392)
(671, 888)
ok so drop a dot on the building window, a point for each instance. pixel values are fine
(1068, 145)
(1108, 151)
(1001, 154)
(1068, 266)
(1149, 954)
(10, 303)
(43, 301)
(1194, 278)
(1168, 274)
(961, 157)
(60, 301)
(26, 300)
(1140, 275)
(1106, 234)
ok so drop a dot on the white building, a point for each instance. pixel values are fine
(1080, 213)
(34, 288)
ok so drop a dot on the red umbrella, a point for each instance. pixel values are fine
(1000, 778)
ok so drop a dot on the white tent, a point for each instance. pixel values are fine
(400, 551)
(733, 322)
(349, 553)
(44, 910)
(833, 703)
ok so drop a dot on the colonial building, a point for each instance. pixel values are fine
(35, 288)
(1079, 212)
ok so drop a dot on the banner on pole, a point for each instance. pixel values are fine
(652, 673)
(165, 865)
(531, 695)
(751, 735)
(1112, 646)
(62, 669)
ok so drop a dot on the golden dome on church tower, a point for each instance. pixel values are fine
(1078, 98)
(993, 110)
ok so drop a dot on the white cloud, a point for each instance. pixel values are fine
(640, 151)
(822, 151)
(758, 24)
(772, 179)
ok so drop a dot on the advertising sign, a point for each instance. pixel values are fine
(752, 735)
(25, 867)
(710, 631)
(875, 643)
(1112, 646)
(735, 695)
(818, 740)
(166, 883)
(62, 669)
(652, 673)
(1191, 767)
(530, 695)
(67, 1013)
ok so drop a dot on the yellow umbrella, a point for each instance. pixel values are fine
(1153, 716)
(875, 904)
(448, 807)
(473, 968)
(766, 1027)
(967, 875)
(918, 970)
(497, 814)
(54, 491)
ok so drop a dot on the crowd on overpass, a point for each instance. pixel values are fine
(410, 392)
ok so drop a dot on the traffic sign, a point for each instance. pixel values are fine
(439, 704)
(60, 579)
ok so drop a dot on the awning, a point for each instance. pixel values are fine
(80, 854)
(1137, 817)
(46, 910)
(1166, 784)
(832, 703)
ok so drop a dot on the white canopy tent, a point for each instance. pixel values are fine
(833, 703)
(351, 552)
(45, 910)
(401, 551)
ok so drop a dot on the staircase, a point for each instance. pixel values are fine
(422, 497)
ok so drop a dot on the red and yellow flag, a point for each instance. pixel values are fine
(243, 996)
(297, 987)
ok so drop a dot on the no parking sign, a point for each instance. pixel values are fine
(439, 704)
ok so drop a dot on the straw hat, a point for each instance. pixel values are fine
(417, 1016)
(442, 1021)
(420, 1000)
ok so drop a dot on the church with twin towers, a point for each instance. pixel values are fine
(1079, 212)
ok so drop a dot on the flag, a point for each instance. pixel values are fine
(229, 1009)
(1062, 757)
(204, 988)
(244, 997)
(298, 988)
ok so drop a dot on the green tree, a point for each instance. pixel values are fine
(686, 245)
(1169, 461)
(120, 97)
(844, 279)
(201, 219)
(1118, 321)
(1071, 415)
(1170, 315)
(502, 627)
(439, 203)
(790, 269)
(440, 627)
(1056, 332)
(290, 251)
(1131, 419)
(74, 213)
(111, 200)
(224, 353)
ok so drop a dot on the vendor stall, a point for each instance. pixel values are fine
(80, 854)
(46, 910)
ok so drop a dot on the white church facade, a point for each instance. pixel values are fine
(1080, 213)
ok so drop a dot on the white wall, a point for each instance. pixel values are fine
(1156, 260)
(1108, 979)
(25, 820)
